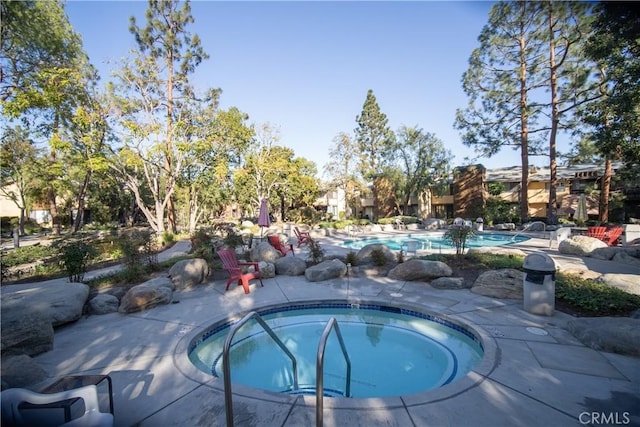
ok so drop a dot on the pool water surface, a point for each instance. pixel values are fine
(393, 352)
(438, 241)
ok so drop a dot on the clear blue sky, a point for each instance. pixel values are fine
(305, 67)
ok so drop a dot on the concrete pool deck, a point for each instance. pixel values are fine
(527, 379)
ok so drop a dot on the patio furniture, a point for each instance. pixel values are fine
(597, 232)
(400, 224)
(559, 235)
(410, 247)
(277, 244)
(612, 235)
(22, 407)
(235, 269)
(609, 235)
(303, 236)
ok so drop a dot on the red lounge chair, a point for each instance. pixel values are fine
(303, 236)
(597, 232)
(276, 243)
(612, 235)
(234, 268)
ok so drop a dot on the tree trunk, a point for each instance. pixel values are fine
(81, 195)
(524, 135)
(605, 187)
(552, 209)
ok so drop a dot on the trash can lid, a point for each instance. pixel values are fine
(539, 262)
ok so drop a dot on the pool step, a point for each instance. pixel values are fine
(310, 390)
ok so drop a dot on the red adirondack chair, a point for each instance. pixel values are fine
(612, 235)
(276, 243)
(234, 268)
(303, 236)
(597, 232)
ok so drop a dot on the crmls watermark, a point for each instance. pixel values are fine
(604, 418)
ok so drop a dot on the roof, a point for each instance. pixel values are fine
(513, 174)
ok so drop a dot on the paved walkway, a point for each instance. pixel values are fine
(525, 379)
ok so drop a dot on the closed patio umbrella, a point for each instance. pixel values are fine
(581, 211)
(263, 217)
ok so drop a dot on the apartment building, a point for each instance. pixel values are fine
(467, 191)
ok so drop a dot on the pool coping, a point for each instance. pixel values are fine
(473, 378)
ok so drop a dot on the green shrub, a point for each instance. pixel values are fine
(595, 297)
(316, 253)
(457, 235)
(138, 248)
(352, 258)
(168, 237)
(378, 257)
(27, 254)
(74, 259)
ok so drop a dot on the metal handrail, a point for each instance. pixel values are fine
(226, 367)
(544, 229)
(331, 324)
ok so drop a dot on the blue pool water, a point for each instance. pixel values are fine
(393, 352)
(437, 241)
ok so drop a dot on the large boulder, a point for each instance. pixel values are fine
(20, 370)
(103, 304)
(580, 245)
(420, 270)
(626, 254)
(505, 283)
(326, 270)
(25, 331)
(434, 224)
(611, 334)
(189, 272)
(61, 303)
(627, 282)
(149, 294)
(263, 251)
(364, 254)
(290, 266)
(267, 270)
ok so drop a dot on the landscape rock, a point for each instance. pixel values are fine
(434, 224)
(509, 226)
(626, 254)
(580, 245)
(448, 283)
(25, 331)
(20, 371)
(103, 304)
(290, 266)
(626, 258)
(611, 334)
(626, 282)
(149, 294)
(326, 270)
(61, 303)
(189, 272)
(504, 283)
(263, 251)
(497, 250)
(267, 270)
(364, 254)
(420, 270)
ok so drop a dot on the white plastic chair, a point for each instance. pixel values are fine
(410, 247)
(13, 415)
(559, 235)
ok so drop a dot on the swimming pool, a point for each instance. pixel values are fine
(393, 351)
(434, 242)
